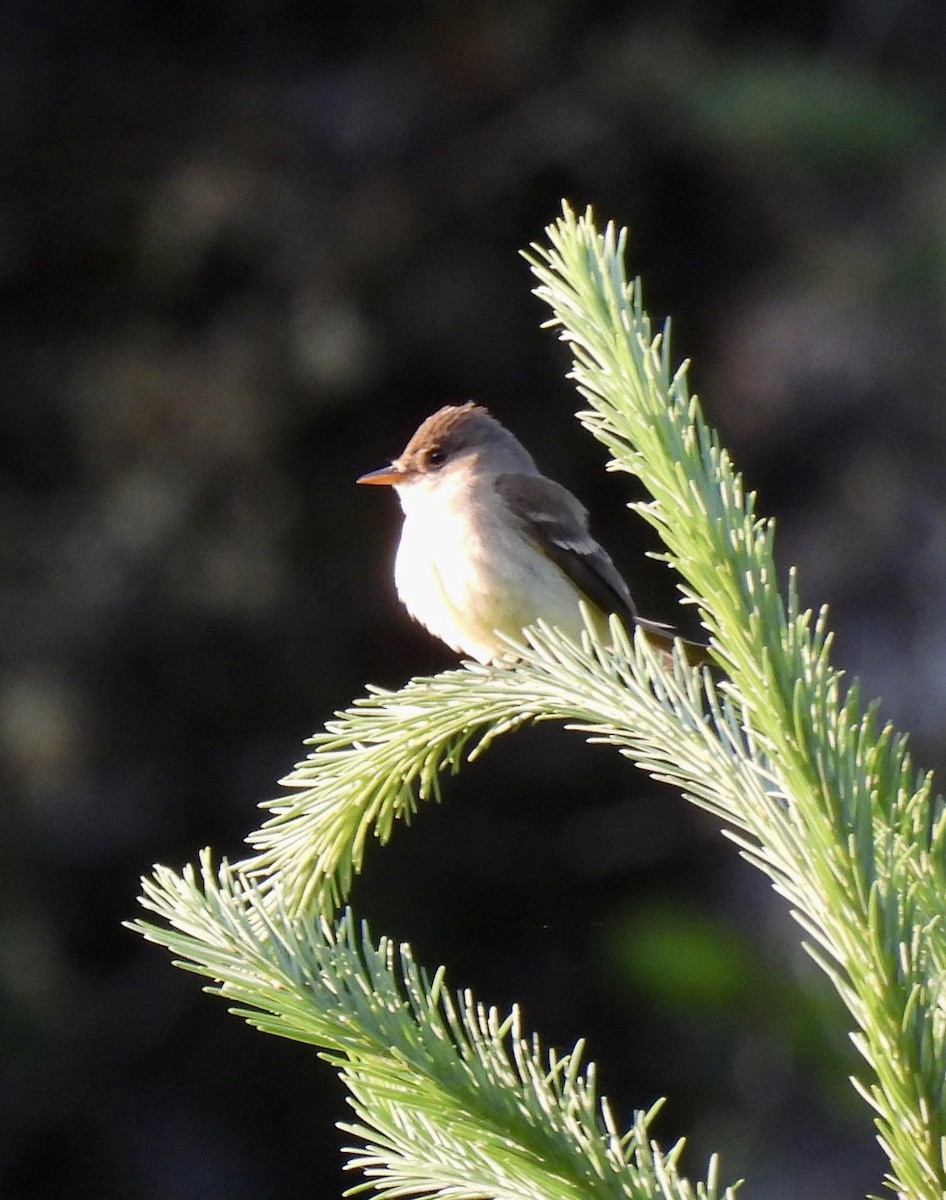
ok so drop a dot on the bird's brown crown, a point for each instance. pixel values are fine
(449, 428)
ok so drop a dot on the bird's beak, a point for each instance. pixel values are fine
(389, 475)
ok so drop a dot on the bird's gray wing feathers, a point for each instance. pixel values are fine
(558, 523)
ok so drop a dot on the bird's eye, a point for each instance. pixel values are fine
(436, 457)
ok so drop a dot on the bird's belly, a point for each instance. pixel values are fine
(467, 590)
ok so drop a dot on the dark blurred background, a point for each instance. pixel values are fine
(245, 247)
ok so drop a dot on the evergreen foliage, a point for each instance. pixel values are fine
(454, 1101)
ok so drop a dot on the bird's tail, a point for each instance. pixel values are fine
(664, 637)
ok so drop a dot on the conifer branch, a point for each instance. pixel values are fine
(775, 745)
(451, 1099)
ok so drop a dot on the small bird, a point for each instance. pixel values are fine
(490, 545)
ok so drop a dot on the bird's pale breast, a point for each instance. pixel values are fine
(465, 572)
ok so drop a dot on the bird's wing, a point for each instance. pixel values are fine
(558, 523)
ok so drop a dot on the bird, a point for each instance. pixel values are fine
(489, 545)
